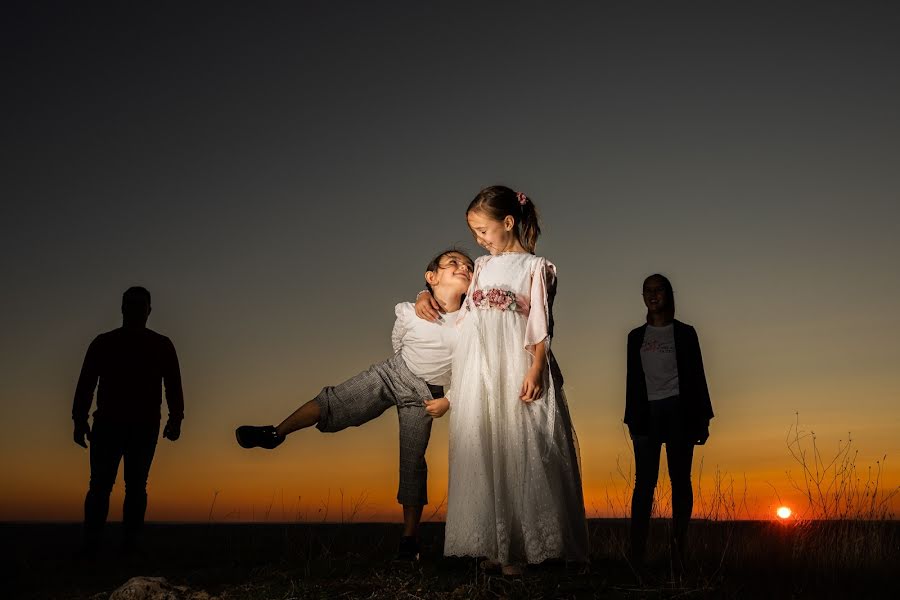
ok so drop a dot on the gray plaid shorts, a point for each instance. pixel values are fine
(366, 396)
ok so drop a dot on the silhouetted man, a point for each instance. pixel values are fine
(130, 363)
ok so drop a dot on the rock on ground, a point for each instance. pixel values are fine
(155, 588)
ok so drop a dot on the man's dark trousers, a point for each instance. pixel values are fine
(110, 443)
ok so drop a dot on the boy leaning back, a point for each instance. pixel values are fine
(412, 380)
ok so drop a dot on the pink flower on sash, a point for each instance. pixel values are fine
(495, 298)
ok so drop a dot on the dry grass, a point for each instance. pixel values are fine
(309, 560)
(844, 543)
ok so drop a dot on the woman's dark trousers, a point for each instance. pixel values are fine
(666, 427)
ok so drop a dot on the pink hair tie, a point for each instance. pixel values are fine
(522, 198)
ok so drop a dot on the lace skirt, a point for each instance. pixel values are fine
(515, 488)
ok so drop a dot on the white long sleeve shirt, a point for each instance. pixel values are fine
(426, 347)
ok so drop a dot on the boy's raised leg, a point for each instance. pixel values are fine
(269, 437)
(305, 416)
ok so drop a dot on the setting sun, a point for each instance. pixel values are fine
(783, 512)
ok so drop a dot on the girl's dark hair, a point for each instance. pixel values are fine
(436, 262)
(670, 294)
(499, 201)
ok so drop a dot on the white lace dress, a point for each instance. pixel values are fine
(515, 487)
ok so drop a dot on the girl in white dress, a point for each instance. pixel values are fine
(515, 488)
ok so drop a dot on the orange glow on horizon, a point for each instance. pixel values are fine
(207, 477)
(170, 502)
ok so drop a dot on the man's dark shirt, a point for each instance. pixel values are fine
(131, 365)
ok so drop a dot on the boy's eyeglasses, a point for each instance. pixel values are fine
(455, 264)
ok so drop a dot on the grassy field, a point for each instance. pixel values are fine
(726, 559)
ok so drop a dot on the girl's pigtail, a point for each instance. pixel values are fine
(529, 227)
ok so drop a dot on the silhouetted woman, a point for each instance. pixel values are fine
(666, 402)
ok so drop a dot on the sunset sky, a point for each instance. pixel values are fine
(279, 178)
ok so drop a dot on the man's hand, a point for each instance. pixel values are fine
(172, 430)
(704, 435)
(427, 307)
(82, 430)
(437, 408)
(533, 386)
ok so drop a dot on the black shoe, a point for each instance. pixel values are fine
(408, 550)
(249, 436)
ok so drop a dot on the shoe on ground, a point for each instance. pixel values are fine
(250, 436)
(408, 550)
(489, 566)
(513, 571)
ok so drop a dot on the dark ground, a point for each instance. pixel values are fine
(297, 560)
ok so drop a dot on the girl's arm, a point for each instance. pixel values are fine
(533, 386)
(539, 328)
(427, 307)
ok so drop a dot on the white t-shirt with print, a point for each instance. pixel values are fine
(658, 360)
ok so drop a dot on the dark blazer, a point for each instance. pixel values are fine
(692, 387)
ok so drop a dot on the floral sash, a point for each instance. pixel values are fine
(497, 299)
